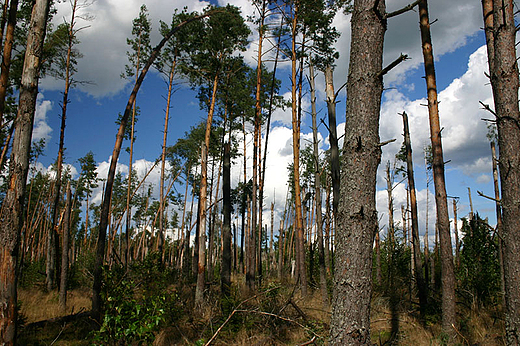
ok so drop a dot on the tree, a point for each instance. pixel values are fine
(357, 214)
(11, 213)
(441, 201)
(88, 181)
(503, 68)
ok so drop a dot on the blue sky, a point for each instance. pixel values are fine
(460, 66)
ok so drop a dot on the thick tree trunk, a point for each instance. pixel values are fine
(416, 242)
(11, 213)
(503, 70)
(443, 221)
(357, 215)
(225, 274)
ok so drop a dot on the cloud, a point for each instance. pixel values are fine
(41, 129)
(464, 133)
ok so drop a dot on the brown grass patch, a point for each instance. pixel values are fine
(38, 306)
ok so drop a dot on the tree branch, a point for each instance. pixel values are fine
(402, 10)
(486, 107)
(396, 62)
(491, 198)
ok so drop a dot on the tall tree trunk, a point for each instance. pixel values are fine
(199, 290)
(53, 236)
(455, 227)
(443, 221)
(416, 241)
(65, 252)
(317, 187)
(503, 70)
(357, 215)
(11, 213)
(163, 157)
(225, 274)
(298, 224)
(6, 61)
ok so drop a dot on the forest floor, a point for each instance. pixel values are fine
(275, 317)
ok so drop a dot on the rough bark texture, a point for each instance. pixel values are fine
(11, 214)
(416, 242)
(357, 214)
(498, 209)
(503, 70)
(441, 201)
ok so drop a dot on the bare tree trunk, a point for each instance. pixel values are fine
(65, 252)
(457, 242)
(298, 225)
(357, 221)
(443, 221)
(11, 213)
(503, 70)
(416, 242)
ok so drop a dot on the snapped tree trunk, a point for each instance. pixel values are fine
(357, 221)
(11, 213)
(441, 201)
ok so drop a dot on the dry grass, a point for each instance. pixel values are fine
(39, 306)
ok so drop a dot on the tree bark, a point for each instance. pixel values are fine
(498, 209)
(333, 138)
(357, 221)
(11, 213)
(503, 70)
(443, 221)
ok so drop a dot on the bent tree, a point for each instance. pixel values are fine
(503, 69)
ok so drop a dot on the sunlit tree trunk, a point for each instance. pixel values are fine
(6, 61)
(65, 252)
(11, 213)
(443, 221)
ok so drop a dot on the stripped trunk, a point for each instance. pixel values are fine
(443, 221)
(65, 252)
(6, 61)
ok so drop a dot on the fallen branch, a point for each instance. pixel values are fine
(236, 310)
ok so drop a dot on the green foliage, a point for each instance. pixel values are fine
(136, 303)
(140, 48)
(479, 271)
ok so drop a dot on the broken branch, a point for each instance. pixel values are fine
(396, 62)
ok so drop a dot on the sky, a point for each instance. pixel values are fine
(461, 63)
